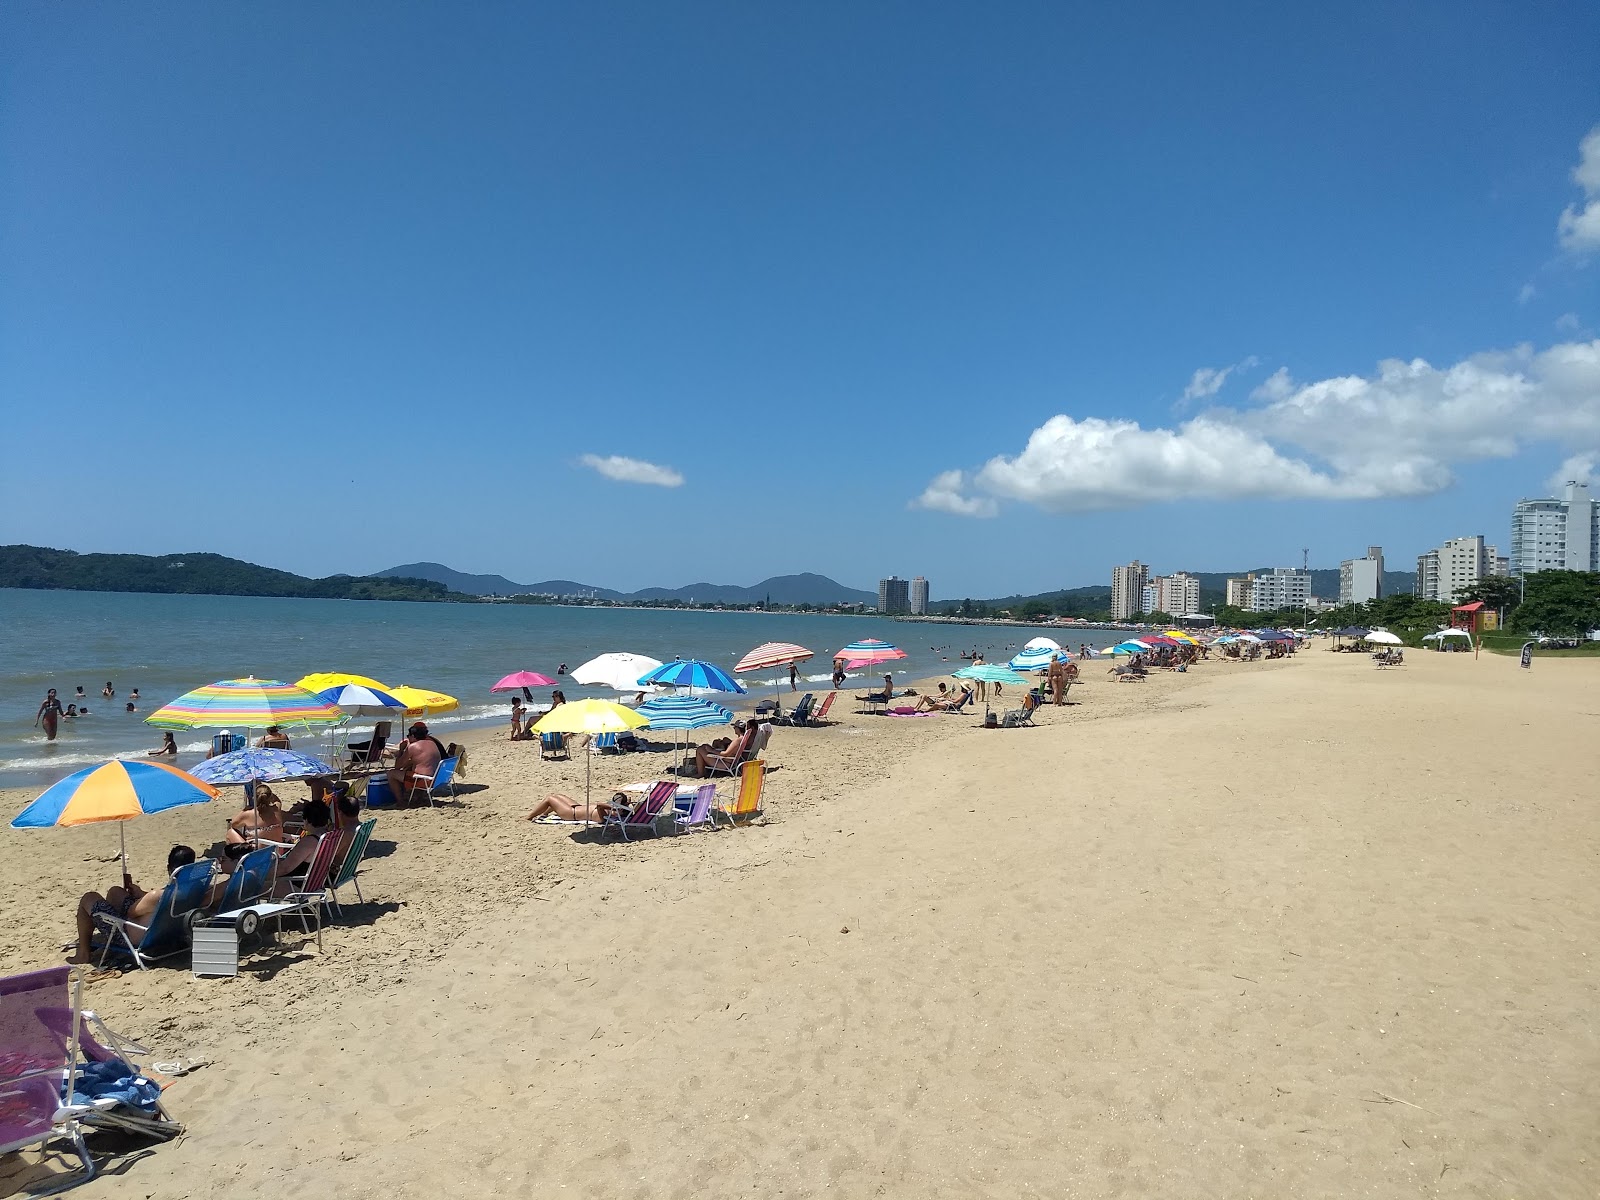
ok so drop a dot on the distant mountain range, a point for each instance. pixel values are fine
(780, 589)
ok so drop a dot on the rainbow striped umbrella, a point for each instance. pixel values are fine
(868, 652)
(114, 791)
(249, 703)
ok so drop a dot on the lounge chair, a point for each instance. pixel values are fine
(820, 715)
(747, 805)
(306, 903)
(800, 713)
(252, 879)
(168, 931)
(553, 745)
(443, 777)
(55, 1078)
(370, 752)
(700, 811)
(1020, 716)
(738, 754)
(642, 817)
(605, 743)
(349, 870)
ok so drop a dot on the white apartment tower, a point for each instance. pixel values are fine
(919, 597)
(1556, 535)
(1281, 587)
(1361, 579)
(1127, 589)
(1448, 572)
(1242, 592)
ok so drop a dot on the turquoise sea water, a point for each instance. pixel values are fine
(165, 645)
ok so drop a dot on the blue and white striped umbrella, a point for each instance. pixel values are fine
(1037, 659)
(359, 701)
(683, 712)
(263, 765)
(692, 673)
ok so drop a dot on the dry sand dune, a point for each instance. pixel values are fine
(1302, 929)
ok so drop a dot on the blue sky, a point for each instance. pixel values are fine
(894, 287)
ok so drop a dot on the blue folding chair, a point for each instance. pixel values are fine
(168, 931)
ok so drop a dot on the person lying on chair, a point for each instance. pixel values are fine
(565, 808)
(261, 823)
(935, 704)
(296, 861)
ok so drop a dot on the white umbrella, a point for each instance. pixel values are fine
(1383, 637)
(1042, 643)
(618, 671)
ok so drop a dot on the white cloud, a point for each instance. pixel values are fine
(1396, 432)
(632, 470)
(1526, 292)
(1207, 381)
(946, 494)
(1580, 468)
(1579, 227)
(1569, 323)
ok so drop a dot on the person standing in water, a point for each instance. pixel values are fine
(50, 713)
(108, 691)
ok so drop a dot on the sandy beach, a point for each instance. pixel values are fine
(1300, 928)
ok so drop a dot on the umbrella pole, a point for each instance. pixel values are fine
(122, 836)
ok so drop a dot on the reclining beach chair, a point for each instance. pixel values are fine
(800, 713)
(370, 752)
(747, 805)
(553, 745)
(699, 813)
(738, 754)
(605, 743)
(349, 870)
(168, 931)
(306, 903)
(251, 880)
(642, 818)
(1020, 716)
(443, 776)
(820, 715)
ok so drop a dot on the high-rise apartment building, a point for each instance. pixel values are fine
(1177, 594)
(1127, 589)
(1448, 572)
(1281, 587)
(1556, 535)
(1361, 579)
(894, 595)
(1241, 592)
(919, 597)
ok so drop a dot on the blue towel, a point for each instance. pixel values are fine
(114, 1080)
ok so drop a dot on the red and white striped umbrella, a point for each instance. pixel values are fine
(772, 654)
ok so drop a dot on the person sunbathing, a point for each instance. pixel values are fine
(938, 704)
(296, 861)
(565, 808)
(130, 902)
(261, 823)
(725, 758)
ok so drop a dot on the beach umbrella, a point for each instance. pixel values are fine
(260, 765)
(692, 673)
(115, 791)
(359, 700)
(1382, 637)
(424, 702)
(1037, 659)
(868, 652)
(591, 717)
(619, 671)
(1350, 631)
(990, 673)
(251, 703)
(772, 654)
(321, 681)
(523, 679)
(683, 712)
(1043, 643)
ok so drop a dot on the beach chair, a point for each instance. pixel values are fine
(1020, 716)
(699, 813)
(348, 874)
(370, 752)
(251, 880)
(553, 745)
(168, 931)
(443, 777)
(605, 743)
(642, 818)
(801, 712)
(306, 903)
(820, 716)
(747, 804)
(738, 754)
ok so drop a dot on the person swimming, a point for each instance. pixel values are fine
(108, 691)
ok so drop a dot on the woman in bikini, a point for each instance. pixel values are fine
(565, 808)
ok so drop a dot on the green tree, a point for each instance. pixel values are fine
(1559, 604)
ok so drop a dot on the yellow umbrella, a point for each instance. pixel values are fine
(1181, 636)
(420, 702)
(321, 681)
(589, 716)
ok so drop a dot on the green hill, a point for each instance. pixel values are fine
(194, 574)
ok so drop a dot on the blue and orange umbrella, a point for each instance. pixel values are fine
(115, 791)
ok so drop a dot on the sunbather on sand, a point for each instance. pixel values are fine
(565, 808)
(130, 902)
(935, 704)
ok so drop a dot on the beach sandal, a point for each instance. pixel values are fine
(179, 1067)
